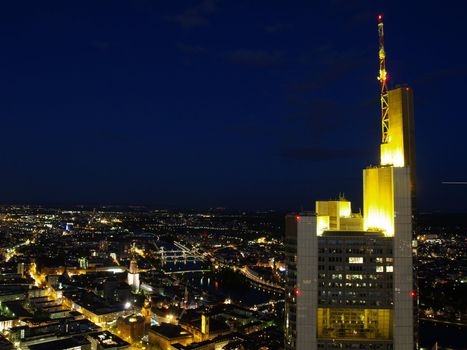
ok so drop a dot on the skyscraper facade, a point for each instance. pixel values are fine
(350, 276)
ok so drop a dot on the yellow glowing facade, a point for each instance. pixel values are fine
(397, 152)
(378, 200)
(352, 223)
(334, 210)
(322, 223)
(205, 324)
(393, 152)
(354, 324)
(337, 215)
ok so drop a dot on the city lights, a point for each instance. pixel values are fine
(214, 175)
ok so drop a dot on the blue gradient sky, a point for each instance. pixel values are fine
(251, 104)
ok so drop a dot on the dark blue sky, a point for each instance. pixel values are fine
(269, 104)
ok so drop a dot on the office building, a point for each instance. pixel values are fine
(350, 276)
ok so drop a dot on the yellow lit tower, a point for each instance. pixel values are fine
(397, 150)
(388, 194)
(133, 273)
(146, 312)
(397, 120)
(350, 276)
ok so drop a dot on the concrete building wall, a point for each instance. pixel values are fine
(403, 270)
(307, 282)
(291, 280)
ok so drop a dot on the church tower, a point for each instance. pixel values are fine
(133, 274)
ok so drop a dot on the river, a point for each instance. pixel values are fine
(247, 295)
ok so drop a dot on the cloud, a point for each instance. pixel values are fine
(319, 154)
(257, 58)
(196, 16)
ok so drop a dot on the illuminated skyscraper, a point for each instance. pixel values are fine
(400, 148)
(350, 277)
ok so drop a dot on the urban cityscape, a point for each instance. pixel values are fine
(381, 266)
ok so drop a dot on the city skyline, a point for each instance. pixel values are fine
(216, 175)
(215, 104)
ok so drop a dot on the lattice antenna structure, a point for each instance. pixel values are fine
(383, 77)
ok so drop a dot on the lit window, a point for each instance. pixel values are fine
(355, 260)
(389, 268)
(388, 259)
(379, 260)
(354, 277)
(379, 268)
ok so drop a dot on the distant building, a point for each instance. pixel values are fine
(115, 291)
(94, 307)
(133, 275)
(131, 328)
(20, 269)
(83, 263)
(166, 334)
(146, 312)
(206, 327)
(107, 341)
(73, 343)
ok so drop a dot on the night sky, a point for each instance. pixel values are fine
(237, 104)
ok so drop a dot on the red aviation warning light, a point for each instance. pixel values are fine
(298, 218)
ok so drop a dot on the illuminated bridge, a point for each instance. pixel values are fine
(271, 303)
(176, 252)
(259, 282)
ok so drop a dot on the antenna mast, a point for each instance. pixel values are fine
(383, 77)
